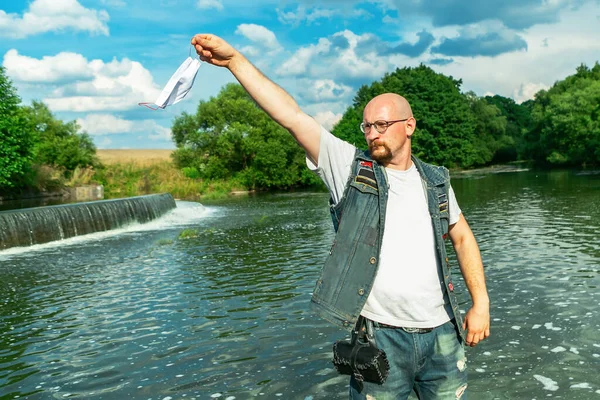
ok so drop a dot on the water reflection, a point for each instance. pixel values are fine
(225, 314)
(536, 233)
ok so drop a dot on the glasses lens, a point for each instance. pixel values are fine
(380, 126)
(363, 128)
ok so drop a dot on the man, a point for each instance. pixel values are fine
(392, 213)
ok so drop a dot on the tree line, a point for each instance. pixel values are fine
(35, 144)
(230, 137)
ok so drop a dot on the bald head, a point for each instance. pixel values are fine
(395, 104)
(389, 141)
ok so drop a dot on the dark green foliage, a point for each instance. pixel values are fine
(15, 137)
(31, 135)
(560, 127)
(231, 136)
(447, 129)
(518, 122)
(57, 143)
(566, 121)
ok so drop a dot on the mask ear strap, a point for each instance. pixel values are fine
(149, 105)
(190, 52)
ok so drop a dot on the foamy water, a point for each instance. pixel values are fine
(186, 213)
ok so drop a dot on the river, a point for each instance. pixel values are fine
(222, 311)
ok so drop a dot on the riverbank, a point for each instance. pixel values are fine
(127, 173)
(132, 178)
(123, 173)
(520, 166)
(134, 172)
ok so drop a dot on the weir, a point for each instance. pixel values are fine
(31, 226)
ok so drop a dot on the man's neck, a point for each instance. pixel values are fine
(401, 162)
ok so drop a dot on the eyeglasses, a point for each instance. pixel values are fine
(380, 126)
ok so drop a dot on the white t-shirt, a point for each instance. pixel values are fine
(407, 290)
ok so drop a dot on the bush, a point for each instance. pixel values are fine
(58, 143)
(190, 172)
(230, 137)
(16, 145)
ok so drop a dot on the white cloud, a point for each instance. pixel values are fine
(328, 119)
(291, 17)
(160, 134)
(107, 124)
(94, 85)
(52, 16)
(350, 59)
(104, 124)
(358, 65)
(259, 35)
(208, 4)
(343, 57)
(527, 91)
(250, 51)
(63, 66)
(571, 41)
(323, 90)
(311, 16)
(299, 62)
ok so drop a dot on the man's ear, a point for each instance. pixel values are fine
(411, 125)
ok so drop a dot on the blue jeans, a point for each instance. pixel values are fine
(433, 364)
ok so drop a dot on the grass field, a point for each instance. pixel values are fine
(129, 173)
(140, 157)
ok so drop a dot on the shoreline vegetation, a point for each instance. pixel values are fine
(144, 171)
(230, 145)
(136, 172)
(126, 173)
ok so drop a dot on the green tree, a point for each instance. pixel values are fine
(567, 121)
(518, 122)
(15, 137)
(57, 143)
(446, 126)
(231, 136)
(494, 142)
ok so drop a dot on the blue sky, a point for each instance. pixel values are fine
(94, 60)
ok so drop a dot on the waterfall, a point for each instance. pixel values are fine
(31, 226)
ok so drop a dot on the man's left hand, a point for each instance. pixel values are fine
(477, 324)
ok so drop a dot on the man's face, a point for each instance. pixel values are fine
(383, 146)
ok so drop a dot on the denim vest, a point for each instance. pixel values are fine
(358, 219)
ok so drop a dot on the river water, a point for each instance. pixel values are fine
(222, 311)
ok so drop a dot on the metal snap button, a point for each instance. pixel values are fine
(361, 291)
(372, 260)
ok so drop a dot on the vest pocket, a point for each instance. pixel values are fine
(364, 185)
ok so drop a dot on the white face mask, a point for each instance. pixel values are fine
(178, 86)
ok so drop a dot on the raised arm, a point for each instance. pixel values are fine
(477, 319)
(276, 102)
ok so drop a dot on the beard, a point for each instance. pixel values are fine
(380, 152)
